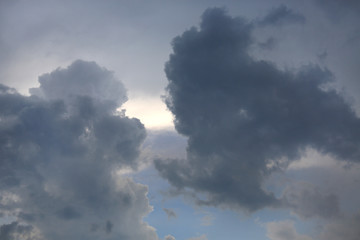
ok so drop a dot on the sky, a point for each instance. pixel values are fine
(186, 120)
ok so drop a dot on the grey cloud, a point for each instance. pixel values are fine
(322, 56)
(338, 9)
(108, 227)
(245, 118)
(307, 201)
(284, 230)
(170, 213)
(60, 150)
(163, 143)
(81, 80)
(66, 213)
(281, 15)
(269, 44)
(16, 231)
(345, 228)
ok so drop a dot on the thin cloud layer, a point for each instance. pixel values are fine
(60, 150)
(245, 118)
(284, 230)
(338, 9)
(170, 213)
(281, 15)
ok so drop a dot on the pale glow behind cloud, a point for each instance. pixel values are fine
(151, 111)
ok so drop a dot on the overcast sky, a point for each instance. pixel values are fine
(186, 120)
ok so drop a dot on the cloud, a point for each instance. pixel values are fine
(281, 15)
(283, 230)
(81, 79)
(345, 228)
(269, 44)
(245, 118)
(307, 201)
(169, 237)
(60, 150)
(170, 213)
(338, 9)
(322, 56)
(164, 143)
(16, 231)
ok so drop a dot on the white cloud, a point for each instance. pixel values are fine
(169, 237)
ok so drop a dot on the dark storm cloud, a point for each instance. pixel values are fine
(281, 15)
(245, 118)
(60, 149)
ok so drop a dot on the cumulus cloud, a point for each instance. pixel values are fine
(245, 118)
(281, 15)
(81, 79)
(284, 230)
(60, 150)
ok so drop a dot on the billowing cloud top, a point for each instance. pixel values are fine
(60, 149)
(81, 79)
(245, 118)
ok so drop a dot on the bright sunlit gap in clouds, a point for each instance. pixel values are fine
(151, 111)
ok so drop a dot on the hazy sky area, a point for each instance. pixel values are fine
(186, 120)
